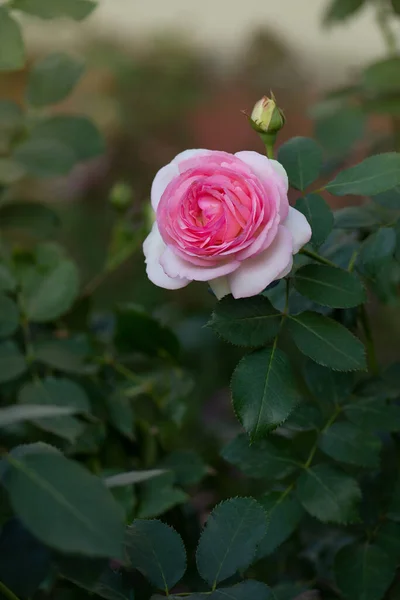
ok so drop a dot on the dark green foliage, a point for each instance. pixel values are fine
(302, 159)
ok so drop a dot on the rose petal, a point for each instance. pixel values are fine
(299, 227)
(220, 287)
(175, 266)
(153, 247)
(266, 168)
(161, 181)
(187, 154)
(257, 272)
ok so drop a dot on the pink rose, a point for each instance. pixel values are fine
(224, 219)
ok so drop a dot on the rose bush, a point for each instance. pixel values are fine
(224, 219)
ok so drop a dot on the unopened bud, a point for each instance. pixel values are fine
(266, 116)
(121, 196)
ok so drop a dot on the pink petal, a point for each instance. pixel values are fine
(153, 247)
(266, 168)
(257, 272)
(220, 287)
(175, 266)
(299, 227)
(160, 182)
(187, 154)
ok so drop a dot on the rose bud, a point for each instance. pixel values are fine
(266, 116)
(121, 196)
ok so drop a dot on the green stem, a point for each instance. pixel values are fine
(353, 261)
(317, 257)
(7, 592)
(329, 422)
(371, 353)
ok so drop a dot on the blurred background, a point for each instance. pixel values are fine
(166, 75)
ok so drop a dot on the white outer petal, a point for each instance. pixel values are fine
(153, 247)
(257, 272)
(186, 154)
(160, 182)
(299, 227)
(280, 170)
(259, 164)
(176, 266)
(220, 287)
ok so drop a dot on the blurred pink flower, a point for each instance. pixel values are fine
(224, 219)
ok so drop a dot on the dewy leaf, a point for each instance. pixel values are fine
(329, 286)
(12, 362)
(284, 513)
(260, 459)
(339, 10)
(52, 79)
(329, 494)
(245, 590)
(65, 506)
(9, 316)
(12, 49)
(319, 216)
(374, 414)
(53, 293)
(230, 539)
(157, 551)
(347, 443)
(10, 415)
(52, 9)
(363, 572)
(131, 477)
(327, 342)
(302, 159)
(76, 133)
(245, 322)
(374, 175)
(264, 391)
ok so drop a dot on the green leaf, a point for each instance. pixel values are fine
(188, 467)
(53, 9)
(374, 175)
(12, 49)
(358, 217)
(396, 6)
(51, 294)
(9, 316)
(390, 200)
(302, 159)
(339, 10)
(259, 459)
(159, 495)
(10, 415)
(388, 540)
(284, 514)
(157, 551)
(338, 132)
(7, 280)
(38, 220)
(138, 331)
(10, 171)
(247, 321)
(329, 494)
(76, 133)
(327, 342)
(319, 216)
(374, 414)
(363, 572)
(131, 477)
(12, 362)
(244, 590)
(230, 538)
(394, 507)
(326, 385)
(382, 77)
(57, 392)
(121, 413)
(305, 417)
(64, 506)
(95, 576)
(378, 247)
(44, 158)
(347, 443)
(60, 354)
(52, 79)
(11, 116)
(264, 391)
(329, 286)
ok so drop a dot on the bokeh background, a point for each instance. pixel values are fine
(166, 75)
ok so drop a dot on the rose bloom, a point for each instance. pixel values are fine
(224, 219)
